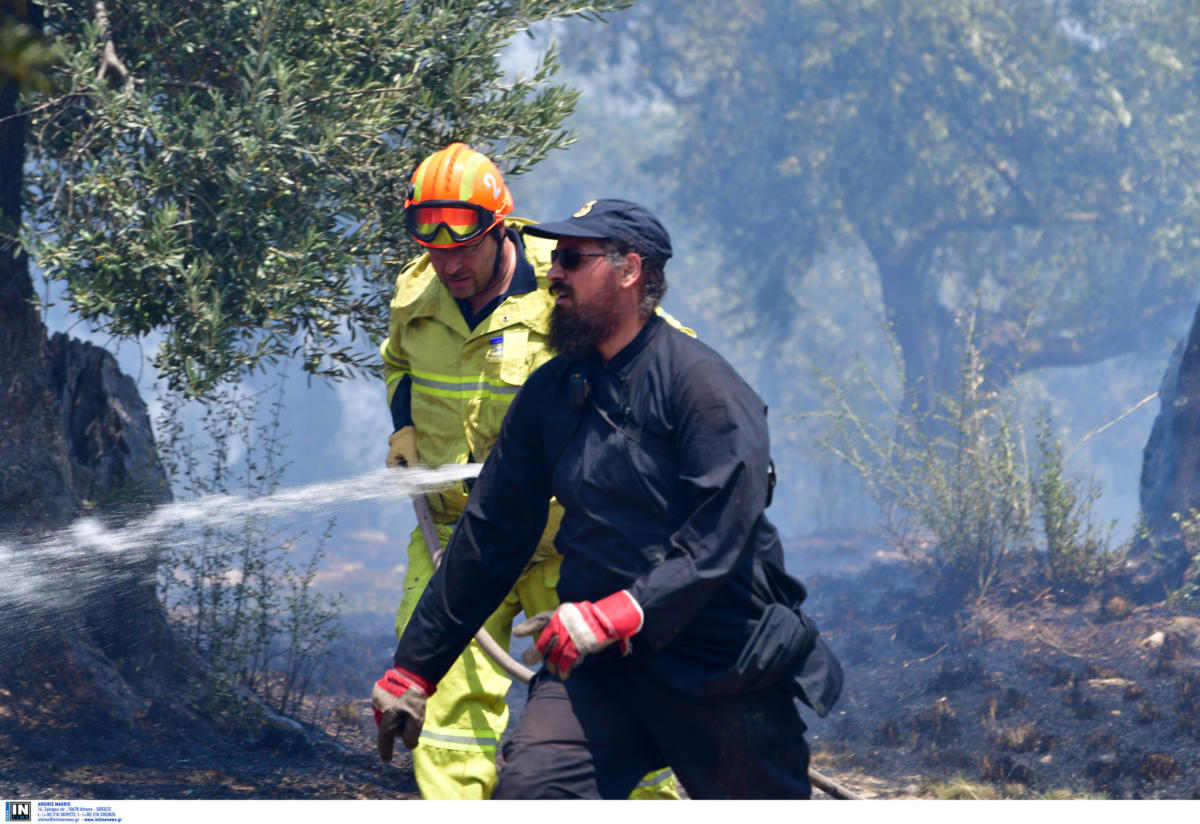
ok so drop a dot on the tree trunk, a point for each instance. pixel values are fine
(930, 344)
(1170, 483)
(73, 432)
(35, 479)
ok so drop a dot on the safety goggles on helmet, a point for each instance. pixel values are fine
(448, 222)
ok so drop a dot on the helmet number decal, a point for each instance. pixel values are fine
(489, 180)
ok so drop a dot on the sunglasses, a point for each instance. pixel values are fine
(571, 259)
(448, 221)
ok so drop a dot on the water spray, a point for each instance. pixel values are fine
(49, 572)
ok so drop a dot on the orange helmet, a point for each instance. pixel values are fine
(456, 196)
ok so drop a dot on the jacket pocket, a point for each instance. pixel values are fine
(505, 371)
(816, 675)
(818, 680)
(514, 366)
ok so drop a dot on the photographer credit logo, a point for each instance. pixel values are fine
(18, 810)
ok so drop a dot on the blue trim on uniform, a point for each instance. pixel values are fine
(402, 403)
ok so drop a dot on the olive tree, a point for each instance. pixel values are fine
(227, 174)
(1031, 164)
(231, 174)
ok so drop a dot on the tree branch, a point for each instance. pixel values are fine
(1080, 350)
(179, 84)
(921, 242)
(49, 104)
(111, 60)
(351, 92)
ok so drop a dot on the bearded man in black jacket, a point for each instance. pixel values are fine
(680, 640)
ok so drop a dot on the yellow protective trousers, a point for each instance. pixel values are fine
(464, 719)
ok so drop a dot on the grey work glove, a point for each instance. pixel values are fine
(399, 703)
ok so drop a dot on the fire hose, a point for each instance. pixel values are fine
(434, 545)
(523, 674)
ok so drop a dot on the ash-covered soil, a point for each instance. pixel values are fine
(274, 759)
(1027, 694)
(77, 724)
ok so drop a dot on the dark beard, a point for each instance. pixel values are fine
(576, 332)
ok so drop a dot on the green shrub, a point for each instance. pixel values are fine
(1188, 595)
(1077, 549)
(957, 489)
(954, 486)
(232, 587)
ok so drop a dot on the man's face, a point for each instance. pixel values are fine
(585, 308)
(466, 270)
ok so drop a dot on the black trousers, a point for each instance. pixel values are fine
(598, 733)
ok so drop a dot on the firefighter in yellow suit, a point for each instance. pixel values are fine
(469, 323)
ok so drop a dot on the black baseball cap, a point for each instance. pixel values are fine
(621, 221)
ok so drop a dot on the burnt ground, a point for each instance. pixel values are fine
(185, 753)
(1030, 693)
(1027, 694)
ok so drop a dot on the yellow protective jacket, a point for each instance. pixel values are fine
(463, 380)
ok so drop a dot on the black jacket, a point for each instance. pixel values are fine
(659, 459)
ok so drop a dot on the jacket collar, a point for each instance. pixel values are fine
(623, 360)
(523, 281)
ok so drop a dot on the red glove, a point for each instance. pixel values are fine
(399, 703)
(577, 629)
